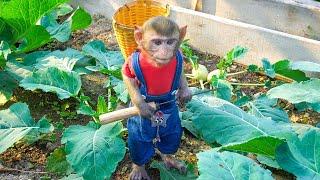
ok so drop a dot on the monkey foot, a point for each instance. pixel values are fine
(138, 173)
(170, 162)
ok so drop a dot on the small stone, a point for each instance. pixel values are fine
(306, 115)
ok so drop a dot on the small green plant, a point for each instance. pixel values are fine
(199, 71)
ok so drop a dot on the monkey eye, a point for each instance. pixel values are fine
(157, 42)
(171, 41)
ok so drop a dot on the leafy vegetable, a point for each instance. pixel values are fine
(265, 145)
(17, 70)
(79, 19)
(64, 60)
(305, 66)
(94, 152)
(86, 109)
(65, 84)
(263, 107)
(222, 122)
(109, 59)
(20, 17)
(306, 91)
(16, 122)
(228, 165)
(283, 67)
(119, 88)
(225, 62)
(188, 53)
(37, 37)
(223, 90)
(301, 156)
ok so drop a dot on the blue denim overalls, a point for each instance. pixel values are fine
(142, 135)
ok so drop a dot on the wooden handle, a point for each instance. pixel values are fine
(121, 114)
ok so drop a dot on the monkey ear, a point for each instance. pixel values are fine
(138, 34)
(183, 32)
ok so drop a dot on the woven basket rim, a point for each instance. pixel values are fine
(130, 4)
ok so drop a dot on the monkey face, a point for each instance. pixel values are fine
(161, 48)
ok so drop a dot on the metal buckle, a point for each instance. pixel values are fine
(174, 92)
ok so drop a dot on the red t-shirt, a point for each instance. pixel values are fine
(158, 79)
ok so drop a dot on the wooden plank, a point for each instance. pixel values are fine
(218, 35)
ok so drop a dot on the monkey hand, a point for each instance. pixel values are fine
(184, 95)
(145, 110)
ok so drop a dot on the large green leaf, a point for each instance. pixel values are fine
(77, 20)
(306, 91)
(86, 109)
(223, 90)
(283, 67)
(264, 145)
(34, 38)
(108, 59)
(65, 84)
(5, 31)
(7, 85)
(80, 19)
(119, 88)
(173, 174)
(228, 165)
(64, 60)
(17, 70)
(31, 58)
(62, 31)
(301, 156)
(94, 152)
(16, 122)
(305, 66)
(263, 107)
(220, 121)
(22, 15)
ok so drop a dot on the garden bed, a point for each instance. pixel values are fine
(24, 161)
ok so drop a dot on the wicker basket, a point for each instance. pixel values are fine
(134, 14)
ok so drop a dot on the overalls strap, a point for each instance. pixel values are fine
(143, 89)
(138, 72)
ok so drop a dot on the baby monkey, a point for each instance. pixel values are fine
(154, 73)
